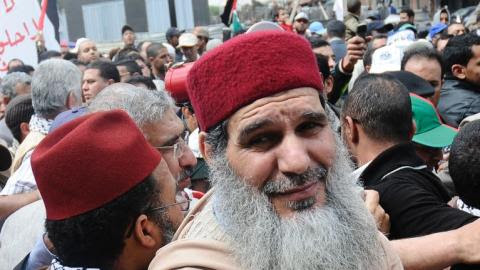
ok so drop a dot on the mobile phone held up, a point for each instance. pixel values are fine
(362, 30)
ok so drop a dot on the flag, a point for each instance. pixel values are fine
(228, 11)
(52, 14)
(236, 25)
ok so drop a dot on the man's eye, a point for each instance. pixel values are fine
(264, 141)
(308, 127)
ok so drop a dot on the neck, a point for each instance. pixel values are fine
(158, 74)
(368, 149)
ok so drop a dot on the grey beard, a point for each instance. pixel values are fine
(338, 235)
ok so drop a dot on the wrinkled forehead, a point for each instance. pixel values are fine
(292, 104)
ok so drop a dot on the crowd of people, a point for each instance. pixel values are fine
(289, 146)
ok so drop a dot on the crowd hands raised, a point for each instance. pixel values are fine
(353, 146)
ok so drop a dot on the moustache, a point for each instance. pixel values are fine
(285, 183)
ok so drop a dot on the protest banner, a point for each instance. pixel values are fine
(20, 22)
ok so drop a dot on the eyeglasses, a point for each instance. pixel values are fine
(178, 148)
(185, 205)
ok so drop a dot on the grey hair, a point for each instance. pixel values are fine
(217, 138)
(11, 80)
(52, 83)
(143, 105)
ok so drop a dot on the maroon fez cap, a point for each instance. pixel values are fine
(90, 161)
(246, 68)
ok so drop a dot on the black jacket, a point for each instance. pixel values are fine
(458, 99)
(413, 196)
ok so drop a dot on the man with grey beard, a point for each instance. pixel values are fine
(282, 197)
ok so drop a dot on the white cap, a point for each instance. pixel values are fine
(187, 40)
(385, 59)
(79, 42)
(301, 15)
(213, 43)
(170, 49)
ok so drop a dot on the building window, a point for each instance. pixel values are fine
(158, 15)
(184, 13)
(103, 21)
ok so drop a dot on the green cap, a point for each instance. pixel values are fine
(430, 130)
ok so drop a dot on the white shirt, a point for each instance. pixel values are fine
(22, 180)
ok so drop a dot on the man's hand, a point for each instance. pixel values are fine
(372, 202)
(356, 48)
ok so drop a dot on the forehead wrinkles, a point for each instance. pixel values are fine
(301, 96)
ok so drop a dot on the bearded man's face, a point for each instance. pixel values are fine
(283, 192)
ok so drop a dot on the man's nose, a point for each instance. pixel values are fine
(292, 155)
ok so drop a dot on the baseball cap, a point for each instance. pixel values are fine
(317, 27)
(413, 83)
(173, 31)
(187, 40)
(436, 28)
(430, 130)
(387, 58)
(126, 27)
(301, 15)
(200, 31)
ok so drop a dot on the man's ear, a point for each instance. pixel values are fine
(350, 130)
(146, 232)
(72, 101)
(459, 71)
(205, 148)
(24, 129)
(110, 81)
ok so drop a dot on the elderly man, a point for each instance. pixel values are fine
(55, 88)
(282, 197)
(86, 50)
(153, 113)
(106, 219)
(13, 84)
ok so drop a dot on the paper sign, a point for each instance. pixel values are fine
(19, 24)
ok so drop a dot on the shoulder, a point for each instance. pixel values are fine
(193, 254)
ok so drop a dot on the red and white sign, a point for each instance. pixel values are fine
(20, 21)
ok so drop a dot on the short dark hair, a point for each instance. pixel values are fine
(336, 28)
(152, 49)
(131, 66)
(107, 70)
(409, 12)
(354, 6)
(276, 12)
(382, 106)
(317, 41)
(96, 238)
(423, 52)
(19, 110)
(123, 53)
(142, 79)
(47, 55)
(322, 63)
(459, 51)
(23, 68)
(464, 163)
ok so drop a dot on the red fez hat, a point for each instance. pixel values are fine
(246, 68)
(90, 161)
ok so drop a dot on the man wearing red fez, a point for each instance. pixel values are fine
(108, 194)
(282, 197)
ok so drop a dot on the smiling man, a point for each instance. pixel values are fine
(282, 197)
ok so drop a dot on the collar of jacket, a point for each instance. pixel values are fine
(399, 155)
(453, 82)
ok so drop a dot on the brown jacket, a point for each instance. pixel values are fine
(200, 243)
